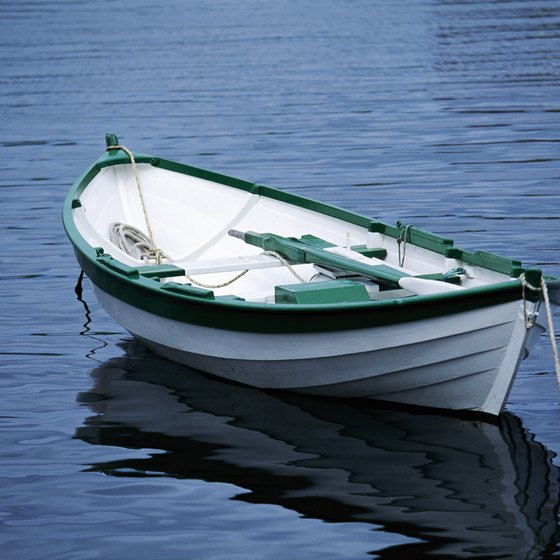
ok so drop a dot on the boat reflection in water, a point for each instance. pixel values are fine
(463, 488)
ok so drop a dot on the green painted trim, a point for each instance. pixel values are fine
(117, 266)
(486, 260)
(334, 291)
(376, 252)
(416, 236)
(194, 305)
(161, 271)
(422, 238)
(150, 271)
(187, 290)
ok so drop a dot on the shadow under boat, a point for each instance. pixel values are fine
(463, 488)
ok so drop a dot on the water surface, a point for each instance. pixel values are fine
(441, 114)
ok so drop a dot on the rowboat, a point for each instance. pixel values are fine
(276, 291)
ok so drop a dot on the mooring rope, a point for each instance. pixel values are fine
(551, 328)
(544, 289)
(528, 320)
(137, 244)
(153, 252)
(238, 276)
(215, 286)
(133, 242)
(285, 263)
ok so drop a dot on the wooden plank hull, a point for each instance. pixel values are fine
(419, 321)
(460, 362)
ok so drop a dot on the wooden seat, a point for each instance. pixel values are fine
(231, 264)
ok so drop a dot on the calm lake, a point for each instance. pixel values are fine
(443, 114)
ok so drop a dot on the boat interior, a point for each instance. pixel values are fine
(201, 226)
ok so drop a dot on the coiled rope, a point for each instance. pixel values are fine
(530, 322)
(137, 244)
(125, 234)
(133, 242)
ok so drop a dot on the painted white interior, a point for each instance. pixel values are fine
(461, 361)
(191, 217)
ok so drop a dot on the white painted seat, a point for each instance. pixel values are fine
(245, 262)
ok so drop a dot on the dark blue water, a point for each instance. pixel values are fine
(438, 113)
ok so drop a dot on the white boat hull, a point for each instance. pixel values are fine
(276, 291)
(465, 362)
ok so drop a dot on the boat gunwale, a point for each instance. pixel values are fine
(241, 315)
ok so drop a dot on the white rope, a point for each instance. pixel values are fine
(551, 329)
(135, 243)
(153, 253)
(215, 286)
(529, 322)
(285, 263)
(228, 282)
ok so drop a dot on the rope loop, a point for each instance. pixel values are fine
(530, 321)
(285, 263)
(215, 286)
(403, 238)
(154, 252)
(551, 328)
(241, 274)
(136, 243)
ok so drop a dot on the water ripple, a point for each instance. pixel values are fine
(438, 113)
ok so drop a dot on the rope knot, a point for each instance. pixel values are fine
(530, 321)
(529, 318)
(525, 283)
